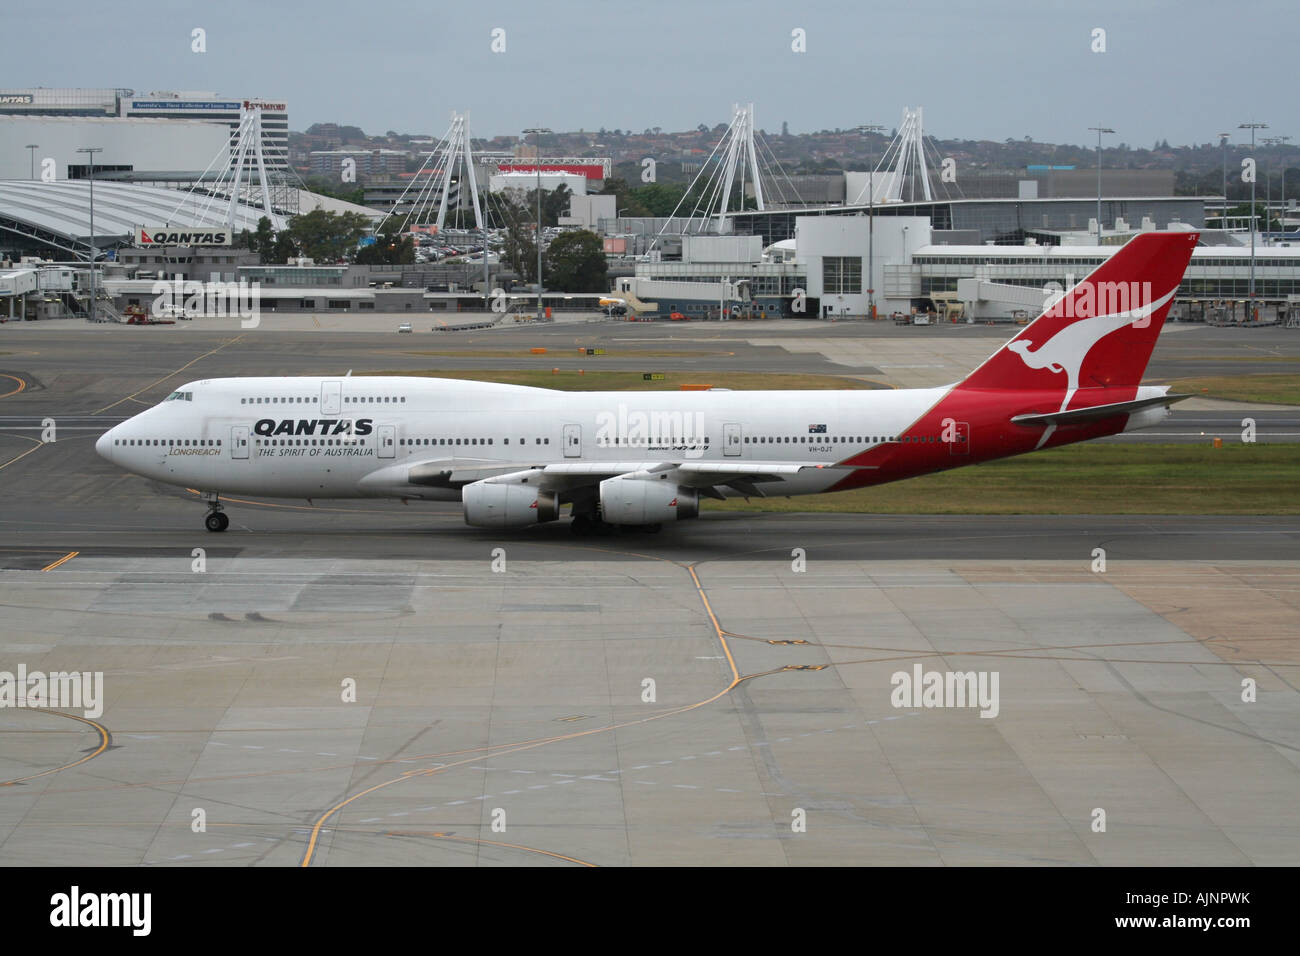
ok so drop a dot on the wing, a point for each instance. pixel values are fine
(411, 478)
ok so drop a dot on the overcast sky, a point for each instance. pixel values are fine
(983, 69)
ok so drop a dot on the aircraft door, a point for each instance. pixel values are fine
(238, 441)
(731, 439)
(387, 441)
(957, 435)
(572, 441)
(331, 400)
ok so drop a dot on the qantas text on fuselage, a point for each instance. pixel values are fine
(515, 456)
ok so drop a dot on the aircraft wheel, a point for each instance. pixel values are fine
(582, 525)
(216, 521)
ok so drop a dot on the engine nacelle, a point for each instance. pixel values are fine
(646, 499)
(508, 502)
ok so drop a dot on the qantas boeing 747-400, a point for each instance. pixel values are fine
(514, 455)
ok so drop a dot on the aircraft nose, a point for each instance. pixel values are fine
(104, 446)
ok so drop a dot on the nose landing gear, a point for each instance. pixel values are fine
(217, 519)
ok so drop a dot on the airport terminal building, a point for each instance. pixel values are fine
(838, 260)
(160, 131)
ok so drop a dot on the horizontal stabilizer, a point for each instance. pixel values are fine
(1079, 416)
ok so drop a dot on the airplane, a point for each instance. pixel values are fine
(515, 455)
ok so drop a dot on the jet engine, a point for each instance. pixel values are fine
(509, 501)
(646, 499)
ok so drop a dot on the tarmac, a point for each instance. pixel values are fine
(368, 683)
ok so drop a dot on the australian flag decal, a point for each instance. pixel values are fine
(816, 429)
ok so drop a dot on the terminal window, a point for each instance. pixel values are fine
(841, 274)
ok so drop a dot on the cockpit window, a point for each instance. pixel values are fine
(180, 397)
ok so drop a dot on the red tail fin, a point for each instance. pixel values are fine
(1102, 331)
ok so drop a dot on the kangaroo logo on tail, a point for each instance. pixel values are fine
(1068, 349)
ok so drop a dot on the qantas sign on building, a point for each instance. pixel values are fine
(176, 236)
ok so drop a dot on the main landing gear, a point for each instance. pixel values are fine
(217, 519)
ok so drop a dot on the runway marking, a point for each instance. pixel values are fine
(169, 375)
(37, 446)
(63, 560)
(105, 739)
(13, 378)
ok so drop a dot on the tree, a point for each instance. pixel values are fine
(325, 186)
(327, 235)
(390, 248)
(575, 262)
(658, 199)
(626, 200)
(518, 249)
(264, 240)
(555, 204)
(283, 250)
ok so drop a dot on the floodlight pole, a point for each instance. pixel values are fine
(92, 150)
(871, 228)
(1252, 127)
(1223, 142)
(1099, 130)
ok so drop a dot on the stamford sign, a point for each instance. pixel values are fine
(179, 236)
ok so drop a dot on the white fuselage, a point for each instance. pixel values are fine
(315, 437)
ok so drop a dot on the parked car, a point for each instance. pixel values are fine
(404, 327)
